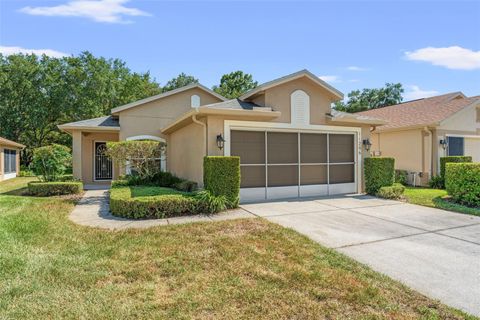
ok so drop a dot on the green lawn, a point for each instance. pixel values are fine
(51, 268)
(435, 198)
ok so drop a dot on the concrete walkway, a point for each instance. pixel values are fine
(93, 211)
(436, 252)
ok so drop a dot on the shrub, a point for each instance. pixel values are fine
(161, 179)
(50, 162)
(142, 156)
(436, 182)
(401, 176)
(221, 176)
(445, 160)
(391, 192)
(463, 183)
(186, 186)
(209, 203)
(162, 206)
(379, 172)
(45, 189)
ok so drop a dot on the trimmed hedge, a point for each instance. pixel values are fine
(221, 176)
(445, 160)
(379, 172)
(163, 206)
(463, 182)
(391, 192)
(45, 189)
(160, 179)
(401, 176)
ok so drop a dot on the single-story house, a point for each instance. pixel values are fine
(290, 142)
(9, 158)
(421, 131)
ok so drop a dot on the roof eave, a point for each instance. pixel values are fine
(212, 111)
(68, 128)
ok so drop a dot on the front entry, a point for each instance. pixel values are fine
(276, 164)
(103, 167)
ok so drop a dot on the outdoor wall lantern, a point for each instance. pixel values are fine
(444, 143)
(367, 144)
(220, 141)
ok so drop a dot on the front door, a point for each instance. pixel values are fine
(102, 164)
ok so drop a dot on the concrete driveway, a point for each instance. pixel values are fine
(433, 251)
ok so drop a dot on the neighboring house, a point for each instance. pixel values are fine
(290, 142)
(9, 158)
(419, 132)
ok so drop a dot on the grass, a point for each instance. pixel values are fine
(241, 269)
(436, 198)
(152, 191)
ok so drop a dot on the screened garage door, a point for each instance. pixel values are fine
(278, 165)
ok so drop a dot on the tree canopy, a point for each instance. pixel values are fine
(234, 84)
(371, 98)
(39, 92)
(179, 81)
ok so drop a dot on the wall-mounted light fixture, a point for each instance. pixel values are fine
(367, 144)
(220, 141)
(444, 143)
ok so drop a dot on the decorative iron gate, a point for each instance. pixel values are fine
(103, 163)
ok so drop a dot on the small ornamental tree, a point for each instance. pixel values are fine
(50, 162)
(142, 156)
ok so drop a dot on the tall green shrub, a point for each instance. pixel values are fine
(379, 172)
(221, 176)
(463, 182)
(50, 162)
(445, 160)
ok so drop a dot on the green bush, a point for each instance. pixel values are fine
(45, 189)
(209, 203)
(391, 192)
(50, 162)
(401, 176)
(162, 206)
(445, 160)
(221, 176)
(186, 186)
(379, 172)
(436, 182)
(463, 183)
(161, 179)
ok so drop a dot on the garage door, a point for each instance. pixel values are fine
(278, 165)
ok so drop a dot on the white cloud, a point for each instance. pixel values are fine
(330, 78)
(108, 11)
(355, 68)
(49, 52)
(454, 57)
(416, 93)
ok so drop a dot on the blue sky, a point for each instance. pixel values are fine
(430, 47)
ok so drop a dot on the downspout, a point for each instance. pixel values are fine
(430, 135)
(204, 125)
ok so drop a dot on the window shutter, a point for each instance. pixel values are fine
(300, 107)
(195, 101)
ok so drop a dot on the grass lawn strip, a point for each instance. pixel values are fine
(241, 269)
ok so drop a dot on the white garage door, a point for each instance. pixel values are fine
(278, 165)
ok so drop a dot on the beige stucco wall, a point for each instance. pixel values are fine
(150, 118)
(83, 151)
(2, 159)
(278, 98)
(185, 152)
(472, 148)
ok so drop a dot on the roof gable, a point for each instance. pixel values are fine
(10, 143)
(290, 77)
(167, 94)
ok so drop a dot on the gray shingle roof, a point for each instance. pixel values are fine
(233, 104)
(107, 121)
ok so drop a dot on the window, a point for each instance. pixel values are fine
(300, 107)
(455, 146)
(195, 101)
(10, 161)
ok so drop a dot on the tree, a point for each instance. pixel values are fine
(179, 81)
(142, 156)
(50, 162)
(234, 84)
(39, 92)
(371, 98)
